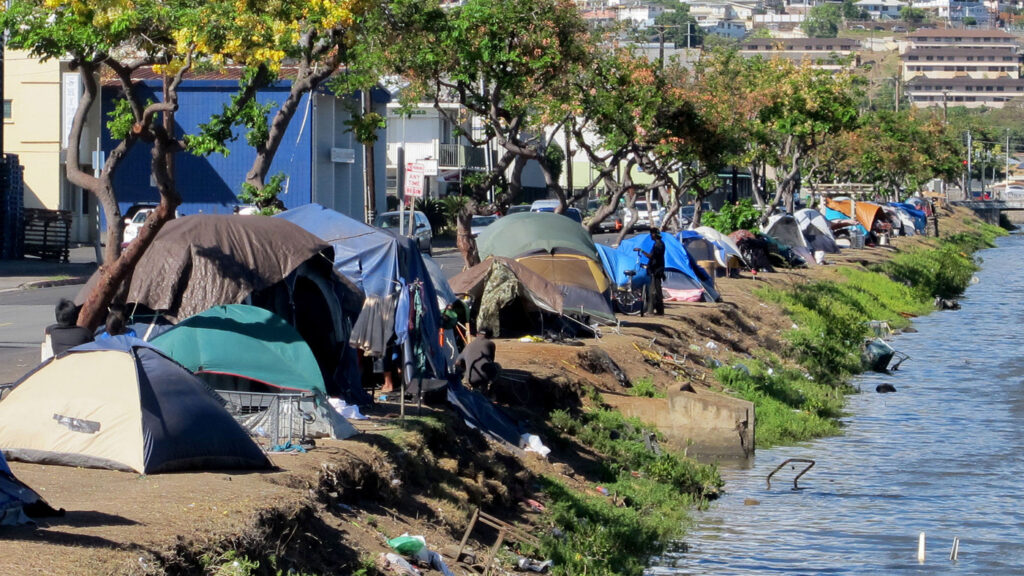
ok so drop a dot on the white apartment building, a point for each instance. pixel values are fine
(881, 9)
(961, 67)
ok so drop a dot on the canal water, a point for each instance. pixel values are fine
(943, 455)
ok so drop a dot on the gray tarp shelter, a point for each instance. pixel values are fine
(390, 270)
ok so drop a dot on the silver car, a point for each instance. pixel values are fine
(422, 231)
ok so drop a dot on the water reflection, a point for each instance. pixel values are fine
(940, 456)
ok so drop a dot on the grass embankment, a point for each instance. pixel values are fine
(831, 320)
(635, 496)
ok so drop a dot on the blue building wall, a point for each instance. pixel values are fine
(211, 185)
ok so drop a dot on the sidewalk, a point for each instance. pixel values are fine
(35, 273)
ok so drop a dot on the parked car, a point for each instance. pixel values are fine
(478, 223)
(135, 216)
(686, 212)
(518, 208)
(133, 223)
(646, 216)
(573, 213)
(613, 223)
(422, 232)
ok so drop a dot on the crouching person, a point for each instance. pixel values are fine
(476, 362)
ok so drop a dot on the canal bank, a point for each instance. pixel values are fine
(939, 456)
(611, 493)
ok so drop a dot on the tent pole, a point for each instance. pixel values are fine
(401, 401)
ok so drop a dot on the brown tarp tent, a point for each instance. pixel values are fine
(200, 261)
(498, 283)
(867, 212)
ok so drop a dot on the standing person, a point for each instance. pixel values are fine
(656, 268)
(65, 334)
(477, 361)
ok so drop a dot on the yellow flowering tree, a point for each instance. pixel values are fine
(115, 38)
(303, 42)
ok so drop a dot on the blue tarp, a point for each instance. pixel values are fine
(379, 262)
(680, 270)
(831, 215)
(918, 216)
(617, 260)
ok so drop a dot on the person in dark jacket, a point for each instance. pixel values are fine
(656, 269)
(477, 361)
(65, 335)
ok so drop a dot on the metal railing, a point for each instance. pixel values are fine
(460, 156)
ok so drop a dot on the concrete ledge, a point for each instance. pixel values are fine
(706, 424)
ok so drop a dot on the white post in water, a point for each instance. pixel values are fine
(920, 548)
(955, 551)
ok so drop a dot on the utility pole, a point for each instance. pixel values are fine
(1006, 173)
(970, 153)
(369, 166)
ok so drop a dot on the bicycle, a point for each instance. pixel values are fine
(630, 300)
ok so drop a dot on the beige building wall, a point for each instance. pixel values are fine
(33, 130)
(42, 107)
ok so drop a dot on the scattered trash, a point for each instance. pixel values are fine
(533, 565)
(750, 502)
(602, 490)
(534, 505)
(531, 339)
(408, 545)
(397, 565)
(287, 447)
(534, 444)
(711, 345)
(349, 412)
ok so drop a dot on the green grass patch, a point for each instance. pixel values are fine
(790, 405)
(645, 388)
(649, 494)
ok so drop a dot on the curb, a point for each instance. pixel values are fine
(52, 283)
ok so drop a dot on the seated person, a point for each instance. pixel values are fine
(65, 335)
(115, 324)
(477, 361)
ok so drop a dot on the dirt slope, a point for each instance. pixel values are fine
(324, 510)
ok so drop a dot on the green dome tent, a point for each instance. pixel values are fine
(531, 232)
(244, 341)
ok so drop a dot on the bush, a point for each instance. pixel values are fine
(731, 217)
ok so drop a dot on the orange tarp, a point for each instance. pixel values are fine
(867, 212)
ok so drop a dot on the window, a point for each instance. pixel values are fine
(7, 109)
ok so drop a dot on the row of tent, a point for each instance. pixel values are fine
(290, 303)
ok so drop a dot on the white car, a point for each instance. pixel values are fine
(646, 217)
(133, 224)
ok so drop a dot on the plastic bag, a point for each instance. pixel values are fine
(407, 545)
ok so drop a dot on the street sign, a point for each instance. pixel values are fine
(414, 180)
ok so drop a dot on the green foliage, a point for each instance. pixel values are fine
(941, 272)
(264, 198)
(365, 126)
(648, 494)
(645, 388)
(601, 538)
(790, 406)
(823, 21)
(435, 212)
(831, 318)
(621, 441)
(680, 28)
(555, 155)
(451, 207)
(731, 217)
(121, 119)
(242, 111)
(912, 14)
